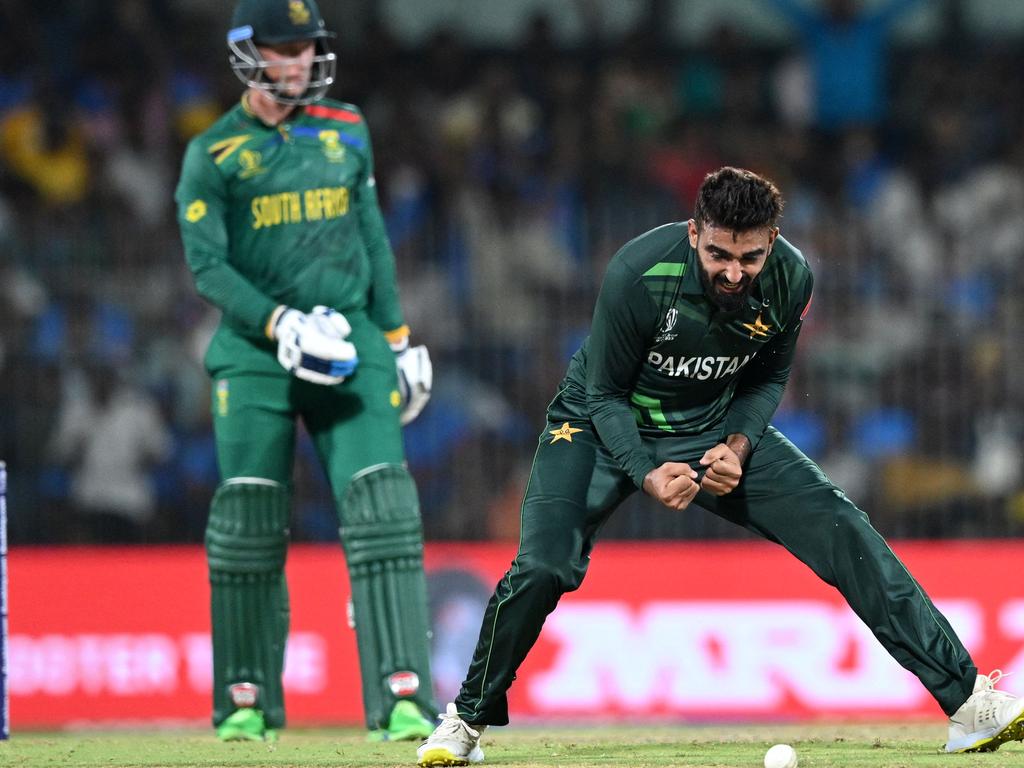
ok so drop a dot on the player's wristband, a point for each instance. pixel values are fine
(398, 339)
(268, 329)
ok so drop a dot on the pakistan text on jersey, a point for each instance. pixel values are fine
(295, 207)
(700, 368)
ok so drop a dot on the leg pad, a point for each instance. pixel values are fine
(246, 544)
(382, 534)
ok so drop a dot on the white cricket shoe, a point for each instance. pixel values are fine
(988, 719)
(453, 742)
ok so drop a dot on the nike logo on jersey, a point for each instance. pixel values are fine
(699, 368)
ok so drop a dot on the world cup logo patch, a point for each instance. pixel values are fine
(250, 160)
(671, 318)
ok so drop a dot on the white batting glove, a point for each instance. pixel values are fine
(313, 347)
(415, 380)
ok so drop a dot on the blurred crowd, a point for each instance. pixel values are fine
(509, 176)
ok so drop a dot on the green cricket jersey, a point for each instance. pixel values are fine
(663, 360)
(286, 214)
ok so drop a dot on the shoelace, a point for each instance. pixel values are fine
(995, 697)
(994, 677)
(450, 725)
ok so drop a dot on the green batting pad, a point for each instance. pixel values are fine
(382, 535)
(246, 542)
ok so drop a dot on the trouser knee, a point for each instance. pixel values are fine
(547, 575)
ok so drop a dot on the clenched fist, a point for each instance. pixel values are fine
(723, 470)
(674, 484)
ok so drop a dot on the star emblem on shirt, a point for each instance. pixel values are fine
(758, 329)
(564, 432)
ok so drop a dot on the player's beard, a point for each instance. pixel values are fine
(727, 301)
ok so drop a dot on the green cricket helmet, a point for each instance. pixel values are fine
(272, 22)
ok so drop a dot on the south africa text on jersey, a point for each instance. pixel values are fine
(700, 368)
(296, 207)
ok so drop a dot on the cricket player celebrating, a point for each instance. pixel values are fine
(283, 233)
(690, 348)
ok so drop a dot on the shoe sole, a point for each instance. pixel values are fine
(440, 756)
(1013, 732)
(240, 736)
(405, 734)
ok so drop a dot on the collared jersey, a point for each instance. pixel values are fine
(284, 214)
(663, 360)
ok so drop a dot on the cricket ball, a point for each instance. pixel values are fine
(780, 756)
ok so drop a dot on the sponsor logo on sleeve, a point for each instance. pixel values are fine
(195, 211)
(222, 397)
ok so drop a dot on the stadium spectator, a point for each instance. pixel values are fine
(847, 49)
(110, 435)
(613, 130)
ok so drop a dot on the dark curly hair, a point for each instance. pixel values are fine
(737, 199)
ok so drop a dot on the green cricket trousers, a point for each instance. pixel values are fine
(352, 427)
(783, 496)
(357, 437)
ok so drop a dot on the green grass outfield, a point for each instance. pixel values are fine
(818, 746)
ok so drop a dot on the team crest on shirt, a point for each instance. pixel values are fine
(298, 12)
(758, 329)
(250, 161)
(333, 151)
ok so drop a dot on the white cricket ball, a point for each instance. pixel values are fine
(780, 756)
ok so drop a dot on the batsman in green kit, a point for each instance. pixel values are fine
(283, 233)
(692, 340)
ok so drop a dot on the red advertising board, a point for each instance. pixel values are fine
(685, 631)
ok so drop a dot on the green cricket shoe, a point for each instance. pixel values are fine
(406, 723)
(245, 724)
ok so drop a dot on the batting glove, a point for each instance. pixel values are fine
(415, 380)
(313, 346)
